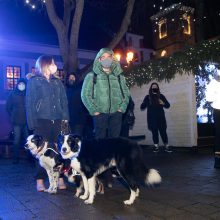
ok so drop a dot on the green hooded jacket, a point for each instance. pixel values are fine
(108, 97)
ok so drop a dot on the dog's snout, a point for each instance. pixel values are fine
(26, 146)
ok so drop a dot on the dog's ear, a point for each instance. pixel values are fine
(36, 138)
(75, 137)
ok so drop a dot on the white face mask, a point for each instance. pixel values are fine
(21, 86)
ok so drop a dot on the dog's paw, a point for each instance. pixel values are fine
(128, 202)
(88, 201)
(83, 197)
(51, 191)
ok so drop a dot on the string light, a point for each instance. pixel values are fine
(182, 62)
(33, 3)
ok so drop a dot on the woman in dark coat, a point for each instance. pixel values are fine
(155, 102)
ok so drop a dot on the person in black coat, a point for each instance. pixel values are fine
(15, 106)
(155, 102)
(77, 111)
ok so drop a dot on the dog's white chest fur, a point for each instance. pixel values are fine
(75, 164)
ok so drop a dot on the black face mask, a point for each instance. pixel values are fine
(71, 82)
(155, 91)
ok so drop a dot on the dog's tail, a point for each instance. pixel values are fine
(153, 177)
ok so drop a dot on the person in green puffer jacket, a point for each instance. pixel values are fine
(105, 94)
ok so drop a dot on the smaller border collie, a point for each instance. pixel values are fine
(48, 158)
(92, 157)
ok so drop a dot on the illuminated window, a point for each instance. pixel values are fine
(163, 53)
(13, 73)
(186, 24)
(162, 28)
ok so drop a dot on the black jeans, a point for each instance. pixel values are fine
(49, 130)
(216, 115)
(163, 134)
(20, 132)
(107, 125)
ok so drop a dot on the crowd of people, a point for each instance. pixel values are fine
(98, 107)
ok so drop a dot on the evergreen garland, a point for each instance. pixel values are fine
(183, 62)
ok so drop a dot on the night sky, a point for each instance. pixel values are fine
(19, 22)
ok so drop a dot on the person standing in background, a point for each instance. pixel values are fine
(46, 107)
(77, 111)
(15, 106)
(213, 96)
(155, 102)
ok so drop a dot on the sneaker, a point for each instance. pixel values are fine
(168, 149)
(156, 148)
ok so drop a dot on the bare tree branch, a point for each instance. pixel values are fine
(75, 31)
(124, 25)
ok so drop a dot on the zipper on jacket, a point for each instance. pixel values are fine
(109, 94)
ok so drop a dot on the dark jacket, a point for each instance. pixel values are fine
(155, 112)
(45, 100)
(15, 105)
(108, 97)
(77, 110)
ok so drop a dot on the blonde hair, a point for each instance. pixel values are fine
(42, 64)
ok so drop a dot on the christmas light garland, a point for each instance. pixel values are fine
(183, 62)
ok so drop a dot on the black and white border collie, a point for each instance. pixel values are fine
(92, 157)
(48, 158)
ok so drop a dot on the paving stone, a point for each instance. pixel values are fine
(190, 190)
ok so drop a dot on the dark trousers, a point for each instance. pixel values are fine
(107, 125)
(49, 130)
(163, 134)
(20, 132)
(216, 115)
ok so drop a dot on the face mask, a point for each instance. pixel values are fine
(155, 91)
(71, 82)
(106, 63)
(21, 86)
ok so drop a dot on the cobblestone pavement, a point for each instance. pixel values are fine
(190, 190)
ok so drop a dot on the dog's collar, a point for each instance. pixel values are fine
(49, 148)
(41, 150)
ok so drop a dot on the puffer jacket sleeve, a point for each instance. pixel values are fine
(86, 94)
(125, 101)
(64, 102)
(30, 104)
